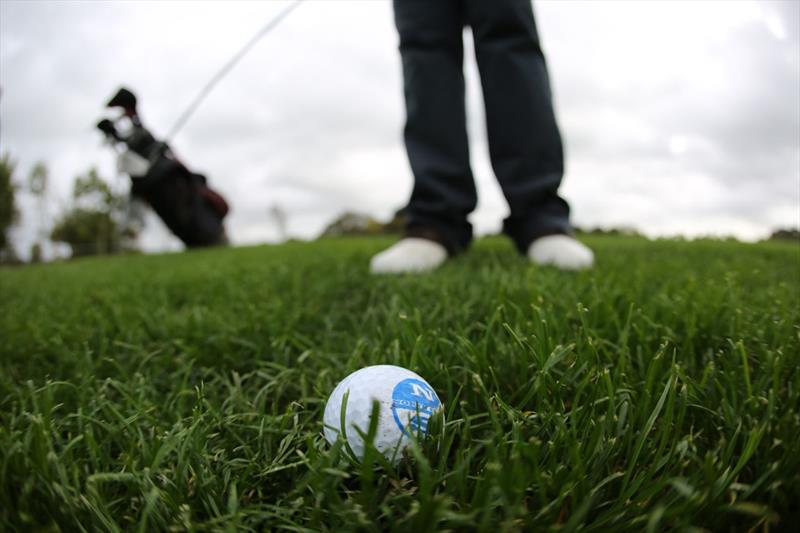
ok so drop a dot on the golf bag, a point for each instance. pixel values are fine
(181, 198)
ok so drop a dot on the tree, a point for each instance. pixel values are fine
(278, 215)
(9, 214)
(37, 186)
(350, 223)
(36, 253)
(785, 234)
(37, 179)
(96, 222)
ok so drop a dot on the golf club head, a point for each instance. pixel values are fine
(108, 129)
(124, 99)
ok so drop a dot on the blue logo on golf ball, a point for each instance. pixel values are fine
(416, 401)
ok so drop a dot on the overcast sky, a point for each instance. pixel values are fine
(678, 117)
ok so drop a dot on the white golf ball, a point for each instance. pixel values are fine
(406, 403)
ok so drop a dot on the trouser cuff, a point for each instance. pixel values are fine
(434, 234)
(523, 235)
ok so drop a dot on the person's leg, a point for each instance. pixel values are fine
(524, 141)
(431, 50)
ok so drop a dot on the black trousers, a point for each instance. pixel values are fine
(524, 141)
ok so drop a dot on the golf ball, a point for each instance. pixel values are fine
(406, 404)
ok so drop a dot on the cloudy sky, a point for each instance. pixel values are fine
(678, 117)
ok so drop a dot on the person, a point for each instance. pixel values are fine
(524, 140)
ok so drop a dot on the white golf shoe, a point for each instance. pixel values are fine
(410, 254)
(561, 251)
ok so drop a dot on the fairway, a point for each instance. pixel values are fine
(185, 391)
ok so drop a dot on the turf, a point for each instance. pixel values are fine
(185, 391)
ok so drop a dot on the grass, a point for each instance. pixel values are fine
(185, 392)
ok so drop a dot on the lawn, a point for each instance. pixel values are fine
(185, 391)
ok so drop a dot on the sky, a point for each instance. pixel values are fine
(678, 117)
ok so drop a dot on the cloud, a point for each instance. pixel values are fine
(694, 113)
(677, 117)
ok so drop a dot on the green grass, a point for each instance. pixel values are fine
(185, 392)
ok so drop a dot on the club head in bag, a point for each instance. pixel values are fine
(109, 130)
(124, 99)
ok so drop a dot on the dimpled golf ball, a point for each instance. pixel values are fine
(406, 404)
